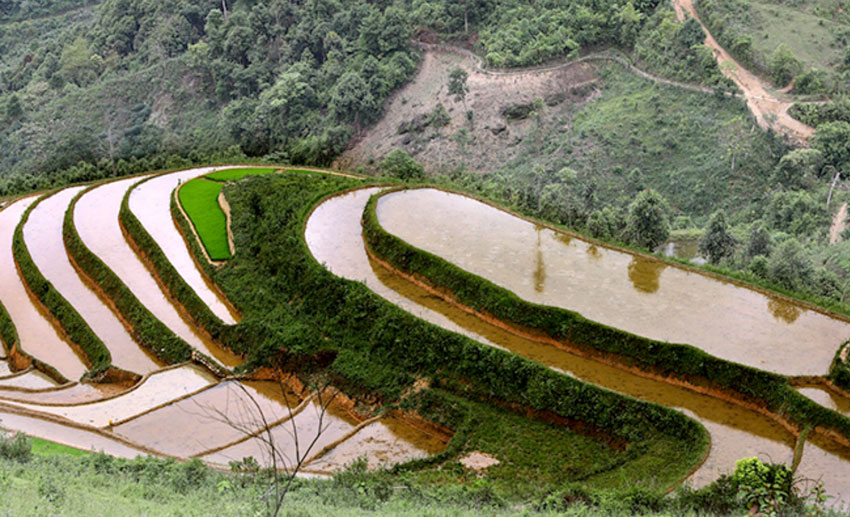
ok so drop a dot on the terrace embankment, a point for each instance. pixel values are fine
(632, 292)
(150, 202)
(37, 336)
(96, 219)
(42, 234)
(736, 431)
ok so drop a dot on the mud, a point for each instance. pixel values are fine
(215, 417)
(384, 443)
(158, 389)
(67, 435)
(297, 439)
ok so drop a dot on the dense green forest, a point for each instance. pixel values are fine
(119, 81)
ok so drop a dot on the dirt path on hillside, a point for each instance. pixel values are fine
(770, 112)
(838, 224)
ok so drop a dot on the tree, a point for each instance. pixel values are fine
(351, 99)
(399, 164)
(14, 108)
(79, 63)
(783, 65)
(796, 164)
(647, 224)
(250, 420)
(717, 243)
(457, 84)
(790, 266)
(759, 241)
(833, 140)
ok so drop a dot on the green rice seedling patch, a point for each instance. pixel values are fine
(199, 198)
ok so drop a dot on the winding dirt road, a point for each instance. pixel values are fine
(770, 112)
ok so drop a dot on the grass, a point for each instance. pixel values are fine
(42, 447)
(236, 174)
(199, 198)
(809, 37)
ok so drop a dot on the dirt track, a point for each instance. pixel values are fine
(770, 112)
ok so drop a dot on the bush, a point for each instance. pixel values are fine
(15, 447)
(399, 164)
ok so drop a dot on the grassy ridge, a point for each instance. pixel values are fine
(199, 199)
(98, 358)
(677, 361)
(147, 330)
(291, 302)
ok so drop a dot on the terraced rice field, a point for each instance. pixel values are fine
(190, 410)
(184, 410)
(333, 234)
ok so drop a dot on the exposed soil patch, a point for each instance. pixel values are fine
(503, 114)
(838, 224)
(770, 112)
(478, 461)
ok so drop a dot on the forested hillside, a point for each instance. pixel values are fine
(118, 81)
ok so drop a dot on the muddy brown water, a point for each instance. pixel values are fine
(30, 380)
(310, 425)
(37, 336)
(158, 389)
(43, 238)
(76, 393)
(213, 418)
(96, 221)
(67, 435)
(150, 202)
(827, 398)
(635, 293)
(384, 443)
(333, 235)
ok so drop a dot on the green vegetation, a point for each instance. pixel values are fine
(679, 361)
(199, 198)
(38, 476)
(784, 39)
(299, 315)
(98, 358)
(236, 174)
(147, 329)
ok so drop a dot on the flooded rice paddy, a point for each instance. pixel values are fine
(181, 411)
(635, 293)
(37, 336)
(158, 389)
(150, 202)
(43, 238)
(735, 431)
(30, 379)
(219, 415)
(87, 440)
(96, 220)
